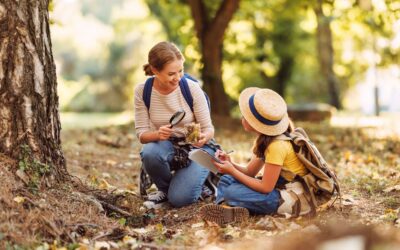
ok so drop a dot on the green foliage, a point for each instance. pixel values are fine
(98, 71)
(11, 246)
(122, 221)
(177, 23)
(371, 185)
(268, 44)
(392, 202)
(73, 246)
(99, 8)
(32, 167)
(277, 53)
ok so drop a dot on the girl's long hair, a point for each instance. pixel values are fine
(263, 141)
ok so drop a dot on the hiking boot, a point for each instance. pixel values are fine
(156, 200)
(222, 214)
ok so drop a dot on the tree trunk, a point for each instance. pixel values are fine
(284, 74)
(29, 114)
(326, 54)
(210, 32)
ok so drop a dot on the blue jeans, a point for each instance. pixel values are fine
(237, 194)
(185, 185)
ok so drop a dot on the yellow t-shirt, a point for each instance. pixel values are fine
(280, 152)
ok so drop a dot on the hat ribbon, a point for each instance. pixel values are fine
(259, 117)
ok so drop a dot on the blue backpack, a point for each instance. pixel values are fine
(183, 84)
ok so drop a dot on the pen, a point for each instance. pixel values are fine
(230, 151)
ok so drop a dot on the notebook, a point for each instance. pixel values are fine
(204, 158)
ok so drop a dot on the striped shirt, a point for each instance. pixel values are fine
(162, 107)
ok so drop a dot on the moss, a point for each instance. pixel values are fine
(34, 168)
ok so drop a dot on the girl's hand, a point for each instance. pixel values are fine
(203, 140)
(225, 167)
(222, 155)
(164, 132)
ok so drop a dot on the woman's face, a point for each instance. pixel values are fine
(171, 74)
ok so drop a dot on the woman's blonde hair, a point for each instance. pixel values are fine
(161, 54)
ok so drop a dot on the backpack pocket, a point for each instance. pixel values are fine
(295, 201)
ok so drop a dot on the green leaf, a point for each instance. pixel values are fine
(22, 165)
(122, 221)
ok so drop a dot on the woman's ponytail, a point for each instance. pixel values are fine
(147, 70)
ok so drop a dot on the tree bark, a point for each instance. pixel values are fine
(28, 85)
(210, 32)
(326, 54)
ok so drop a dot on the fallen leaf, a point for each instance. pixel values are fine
(128, 164)
(391, 189)
(348, 200)
(23, 176)
(196, 225)
(101, 245)
(19, 199)
(111, 162)
(140, 230)
(106, 175)
(103, 184)
(107, 141)
(129, 240)
(134, 156)
(348, 156)
(266, 223)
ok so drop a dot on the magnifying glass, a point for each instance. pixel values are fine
(176, 118)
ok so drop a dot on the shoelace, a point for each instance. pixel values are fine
(157, 196)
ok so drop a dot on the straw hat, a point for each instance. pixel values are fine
(265, 110)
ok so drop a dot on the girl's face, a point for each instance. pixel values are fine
(170, 75)
(247, 126)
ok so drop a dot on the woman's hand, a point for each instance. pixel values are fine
(225, 167)
(203, 140)
(222, 155)
(164, 132)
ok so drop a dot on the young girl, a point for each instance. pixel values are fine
(264, 112)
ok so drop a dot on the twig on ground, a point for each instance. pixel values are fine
(114, 208)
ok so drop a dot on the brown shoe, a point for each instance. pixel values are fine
(222, 214)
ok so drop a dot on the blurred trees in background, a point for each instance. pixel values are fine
(210, 22)
(308, 51)
(325, 52)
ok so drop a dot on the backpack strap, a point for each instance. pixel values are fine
(183, 84)
(186, 91)
(148, 87)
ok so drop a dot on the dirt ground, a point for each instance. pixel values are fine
(107, 160)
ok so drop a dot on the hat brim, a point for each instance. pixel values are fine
(270, 130)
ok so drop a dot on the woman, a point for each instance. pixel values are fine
(264, 113)
(184, 185)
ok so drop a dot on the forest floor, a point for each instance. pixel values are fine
(365, 159)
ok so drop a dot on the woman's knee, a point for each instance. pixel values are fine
(149, 151)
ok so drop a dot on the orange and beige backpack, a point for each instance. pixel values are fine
(305, 194)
